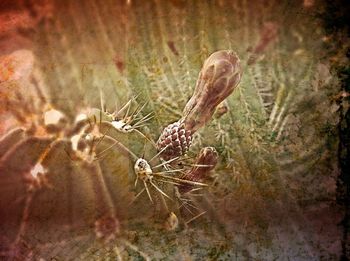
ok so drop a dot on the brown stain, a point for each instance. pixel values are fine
(172, 47)
(178, 3)
(119, 63)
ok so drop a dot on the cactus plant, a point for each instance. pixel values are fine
(88, 91)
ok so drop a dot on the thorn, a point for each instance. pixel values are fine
(184, 205)
(121, 146)
(142, 107)
(92, 144)
(161, 191)
(104, 135)
(144, 150)
(127, 111)
(160, 152)
(144, 119)
(181, 180)
(194, 218)
(169, 182)
(147, 190)
(137, 196)
(161, 173)
(102, 103)
(116, 113)
(166, 162)
(145, 137)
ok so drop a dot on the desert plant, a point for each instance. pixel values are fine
(103, 82)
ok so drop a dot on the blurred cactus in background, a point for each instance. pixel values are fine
(169, 130)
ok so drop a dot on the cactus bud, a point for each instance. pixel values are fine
(205, 162)
(175, 139)
(219, 76)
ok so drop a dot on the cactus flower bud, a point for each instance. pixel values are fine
(175, 139)
(205, 162)
(220, 75)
